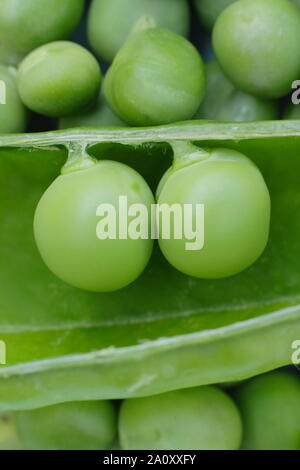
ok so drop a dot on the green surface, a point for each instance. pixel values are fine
(202, 418)
(166, 331)
(69, 426)
(231, 230)
(257, 45)
(157, 77)
(59, 78)
(270, 411)
(25, 25)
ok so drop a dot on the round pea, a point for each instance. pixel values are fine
(156, 78)
(236, 214)
(90, 425)
(58, 79)
(13, 114)
(270, 410)
(209, 10)
(203, 418)
(66, 221)
(28, 24)
(223, 102)
(99, 114)
(111, 21)
(252, 53)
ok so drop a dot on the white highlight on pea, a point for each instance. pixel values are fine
(163, 221)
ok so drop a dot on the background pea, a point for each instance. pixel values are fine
(248, 47)
(237, 213)
(13, 114)
(9, 439)
(142, 84)
(59, 78)
(223, 102)
(270, 410)
(111, 21)
(26, 25)
(68, 426)
(197, 418)
(209, 10)
(98, 114)
(65, 226)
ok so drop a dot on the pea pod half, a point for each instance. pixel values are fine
(167, 330)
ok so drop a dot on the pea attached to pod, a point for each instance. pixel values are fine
(67, 218)
(236, 204)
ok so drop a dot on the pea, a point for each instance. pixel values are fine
(209, 10)
(26, 25)
(58, 79)
(99, 114)
(223, 102)
(270, 411)
(236, 204)
(68, 426)
(13, 114)
(66, 221)
(203, 418)
(9, 439)
(252, 53)
(111, 21)
(157, 77)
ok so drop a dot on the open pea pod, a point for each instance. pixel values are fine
(167, 330)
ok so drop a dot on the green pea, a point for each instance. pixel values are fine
(252, 53)
(270, 410)
(87, 425)
(156, 78)
(66, 220)
(209, 10)
(111, 21)
(223, 102)
(203, 418)
(292, 112)
(236, 213)
(13, 114)
(28, 24)
(9, 439)
(58, 79)
(99, 114)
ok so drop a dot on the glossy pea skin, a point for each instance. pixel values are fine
(90, 425)
(236, 219)
(223, 102)
(26, 25)
(111, 21)
(203, 418)
(253, 54)
(270, 410)
(97, 115)
(209, 10)
(9, 439)
(65, 225)
(58, 79)
(13, 114)
(157, 77)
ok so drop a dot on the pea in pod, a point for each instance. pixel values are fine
(165, 331)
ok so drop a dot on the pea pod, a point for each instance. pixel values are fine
(166, 331)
